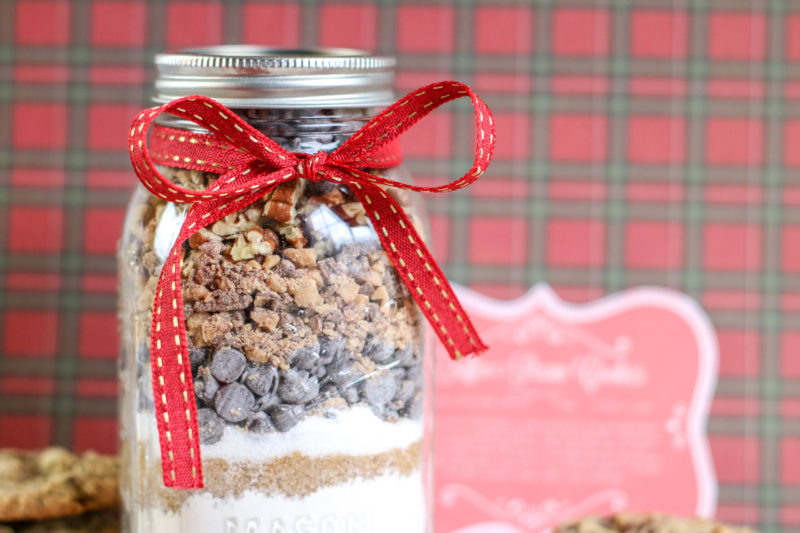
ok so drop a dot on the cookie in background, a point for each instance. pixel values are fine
(54, 483)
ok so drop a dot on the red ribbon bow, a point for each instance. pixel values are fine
(252, 165)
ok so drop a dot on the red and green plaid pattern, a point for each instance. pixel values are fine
(639, 143)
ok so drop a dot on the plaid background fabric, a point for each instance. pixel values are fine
(648, 142)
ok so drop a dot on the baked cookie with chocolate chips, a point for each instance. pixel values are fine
(54, 482)
(647, 523)
(98, 522)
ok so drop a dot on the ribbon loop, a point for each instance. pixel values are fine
(250, 166)
(398, 118)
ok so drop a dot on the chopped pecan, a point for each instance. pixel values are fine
(270, 236)
(281, 204)
(355, 212)
(293, 235)
(194, 179)
(201, 237)
(257, 241)
(232, 224)
(331, 198)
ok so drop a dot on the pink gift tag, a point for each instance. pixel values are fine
(576, 409)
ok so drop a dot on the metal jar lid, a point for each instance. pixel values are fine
(256, 77)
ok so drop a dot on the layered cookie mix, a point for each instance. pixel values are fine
(305, 350)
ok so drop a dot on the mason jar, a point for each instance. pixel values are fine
(306, 348)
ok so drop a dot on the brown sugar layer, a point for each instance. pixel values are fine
(295, 475)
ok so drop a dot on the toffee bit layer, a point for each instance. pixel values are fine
(293, 476)
(269, 309)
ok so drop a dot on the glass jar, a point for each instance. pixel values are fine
(305, 345)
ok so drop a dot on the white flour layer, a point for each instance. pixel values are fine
(387, 504)
(354, 431)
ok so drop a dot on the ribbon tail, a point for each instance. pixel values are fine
(173, 386)
(419, 271)
(173, 390)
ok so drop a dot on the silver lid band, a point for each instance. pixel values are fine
(254, 77)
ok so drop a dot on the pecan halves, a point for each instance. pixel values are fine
(281, 203)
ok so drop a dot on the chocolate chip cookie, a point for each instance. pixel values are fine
(647, 523)
(54, 482)
(98, 522)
